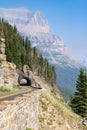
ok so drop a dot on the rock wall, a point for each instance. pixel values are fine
(20, 113)
(8, 75)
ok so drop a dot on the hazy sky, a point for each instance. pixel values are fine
(67, 19)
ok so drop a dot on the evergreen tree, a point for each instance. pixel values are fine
(79, 99)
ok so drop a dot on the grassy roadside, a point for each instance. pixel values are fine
(15, 88)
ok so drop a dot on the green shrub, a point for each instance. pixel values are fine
(0, 62)
(4, 90)
(17, 87)
(44, 105)
(29, 129)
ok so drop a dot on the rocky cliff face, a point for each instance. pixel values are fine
(8, 73)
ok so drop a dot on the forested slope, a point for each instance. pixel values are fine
(20, 52)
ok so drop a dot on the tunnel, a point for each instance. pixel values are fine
(24, 80)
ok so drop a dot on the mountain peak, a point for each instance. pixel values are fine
(38, 12)
(38, 19)
(26, 20)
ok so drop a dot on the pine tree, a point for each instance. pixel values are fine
(79, 99)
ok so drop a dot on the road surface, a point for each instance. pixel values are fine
(12, 95)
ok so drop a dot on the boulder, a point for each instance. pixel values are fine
(85, 121)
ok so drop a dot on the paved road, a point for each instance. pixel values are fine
(12, 95)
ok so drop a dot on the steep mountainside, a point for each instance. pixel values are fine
(56, 115)
(51, 46)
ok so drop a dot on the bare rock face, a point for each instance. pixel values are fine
(3, 57)
(26, 69)
(2, 47)
(8, 75)
(1, 77)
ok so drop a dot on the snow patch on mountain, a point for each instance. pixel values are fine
(54, 49)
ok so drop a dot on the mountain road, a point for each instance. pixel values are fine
(12, 95)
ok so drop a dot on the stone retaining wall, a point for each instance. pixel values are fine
(21, 113)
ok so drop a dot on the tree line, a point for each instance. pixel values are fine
(20, 52)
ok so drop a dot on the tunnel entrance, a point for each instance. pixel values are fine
(24, 80)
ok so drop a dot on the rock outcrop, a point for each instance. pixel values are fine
(2, 46)
(26, 70)
(8, 73)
